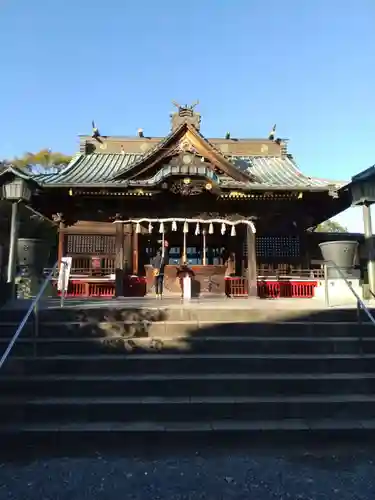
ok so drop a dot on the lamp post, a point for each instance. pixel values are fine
(15, 191)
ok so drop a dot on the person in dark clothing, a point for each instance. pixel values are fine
(158, 263)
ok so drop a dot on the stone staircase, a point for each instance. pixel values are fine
(260, 372)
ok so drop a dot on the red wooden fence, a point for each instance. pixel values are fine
(272, 289)
(133, 287)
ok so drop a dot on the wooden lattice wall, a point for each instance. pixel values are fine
(91, 253)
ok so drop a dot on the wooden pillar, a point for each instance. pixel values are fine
(251, 263)
(119, 271)
(61, 244)
(128, 254)
(59, 219)
(135, 250)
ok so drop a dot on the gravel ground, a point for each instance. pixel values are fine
(217, 474)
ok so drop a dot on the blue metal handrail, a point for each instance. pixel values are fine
(32, 308)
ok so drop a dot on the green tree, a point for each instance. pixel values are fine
(331, 226)
(43, 161)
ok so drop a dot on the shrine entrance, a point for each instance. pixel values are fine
(212, 249)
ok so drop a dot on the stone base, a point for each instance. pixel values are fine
(338, 291)
(29, 286)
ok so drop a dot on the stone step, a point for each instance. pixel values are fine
(219, 370)
(182, 409)
(271, 310)
(231, 344)
(285, 428)
(188, 385)
(189, 328)
(181, 363)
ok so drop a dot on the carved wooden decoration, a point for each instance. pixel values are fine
(187, 159)
(194, 188)
(59, 217)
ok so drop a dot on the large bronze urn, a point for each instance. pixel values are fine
(339, 253)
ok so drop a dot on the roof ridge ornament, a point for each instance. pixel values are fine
(95, 130)
(185, 107)
(185, 114)
(272, 134)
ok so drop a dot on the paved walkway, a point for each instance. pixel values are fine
(211, 474)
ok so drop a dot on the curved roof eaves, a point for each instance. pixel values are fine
(91, 169)
(280, 171)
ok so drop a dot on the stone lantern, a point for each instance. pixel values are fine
(16, 191)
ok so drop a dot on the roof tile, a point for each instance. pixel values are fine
(280, 171)
(91, 169)
(100, 168)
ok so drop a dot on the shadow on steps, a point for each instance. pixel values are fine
(239, 377)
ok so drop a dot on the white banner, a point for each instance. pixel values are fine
(186, 287)
(64, 274)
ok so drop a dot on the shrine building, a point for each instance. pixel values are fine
(205, 201)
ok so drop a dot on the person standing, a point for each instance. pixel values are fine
(158, 264)
(230, 265)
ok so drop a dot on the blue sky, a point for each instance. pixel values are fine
(306, 65)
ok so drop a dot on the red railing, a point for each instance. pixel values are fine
(237, 287)
(292, 289)
(83, 288)
(134, 286)
(291, 273)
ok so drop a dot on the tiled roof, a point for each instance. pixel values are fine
(150, 152)
(90, 169)
(18, 172)
(101, 169)
(280, 171)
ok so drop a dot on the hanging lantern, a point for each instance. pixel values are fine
(233, 231)
(211, 228)
(150, 228)
(223, 228)
(174, 226)
(161, 227)
(197, 229)
(138, 228)
(186, 227)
